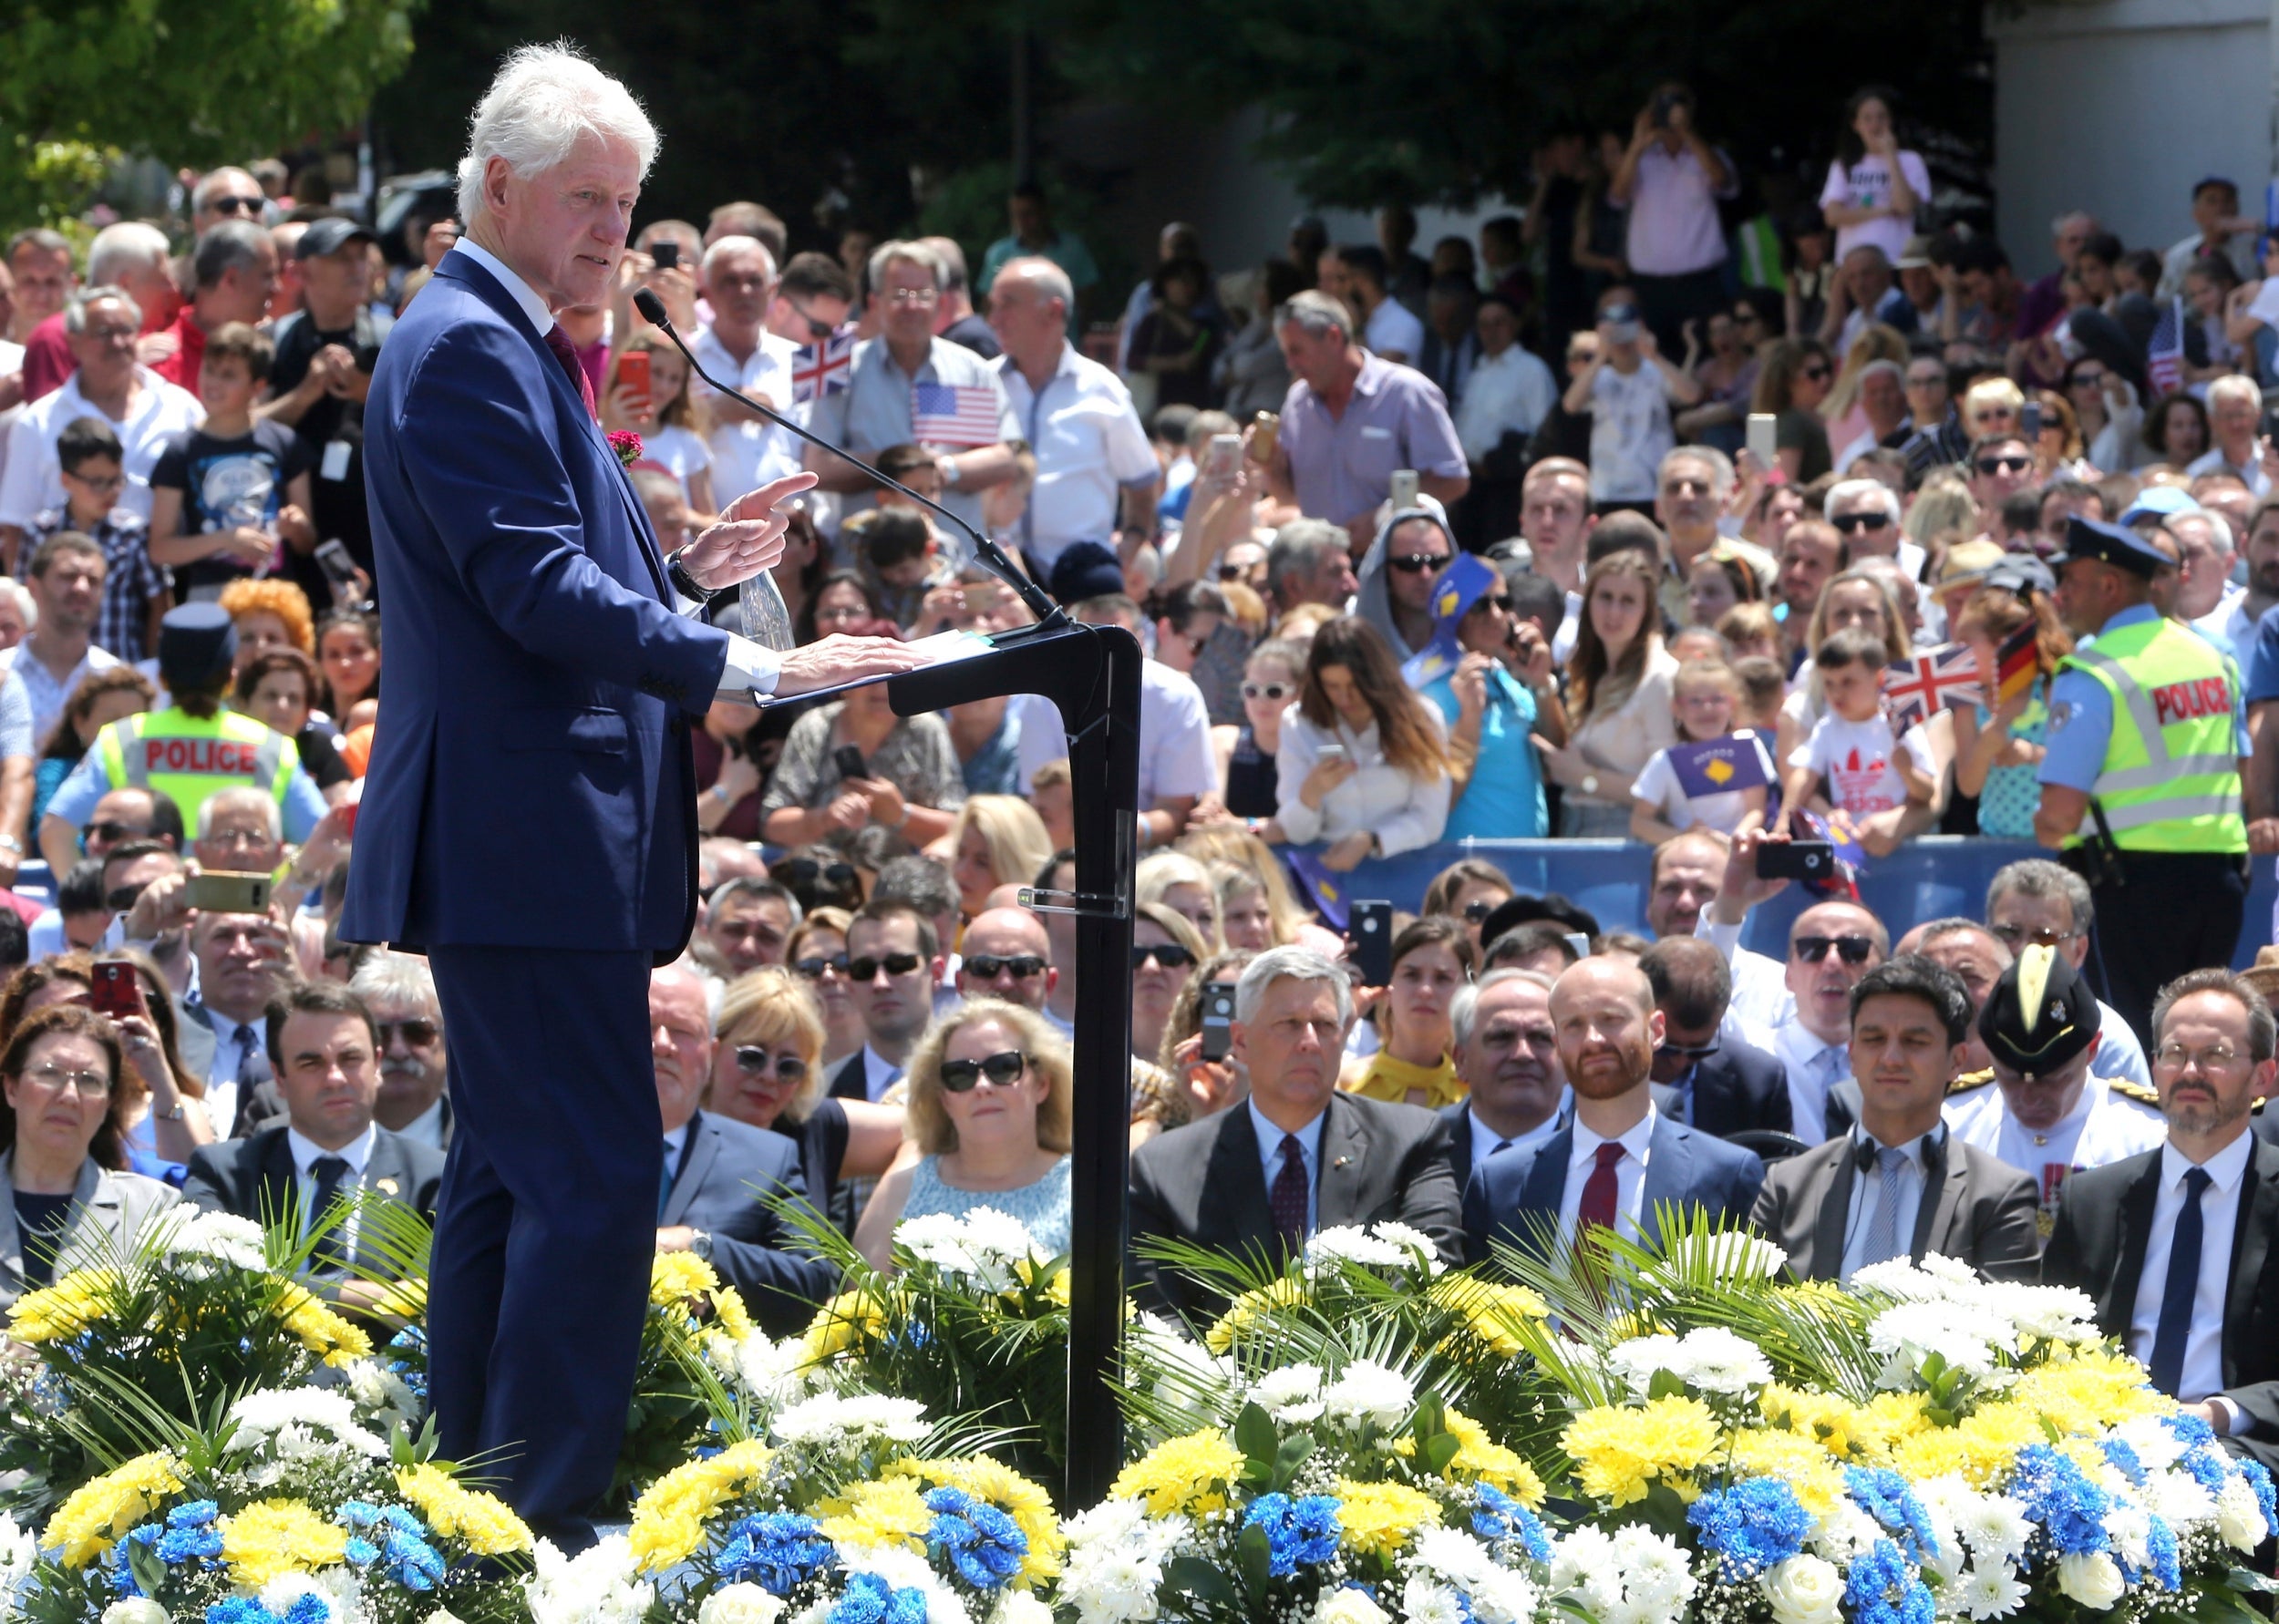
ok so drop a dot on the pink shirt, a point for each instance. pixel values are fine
(1673, 225)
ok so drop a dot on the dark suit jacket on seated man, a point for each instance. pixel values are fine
(1507, 1054)
(529, 819)
(1620, 1163)
(1716, 1084)
(324, 1049)
(2177, 1244)
(1297, 1157)
(1898, 1183)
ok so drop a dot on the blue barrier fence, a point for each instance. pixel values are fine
(1929, 879)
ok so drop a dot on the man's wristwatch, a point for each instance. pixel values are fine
(947, 467)
(10, 843)
(686, 584)
(700, 1245)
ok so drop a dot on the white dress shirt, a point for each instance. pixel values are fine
(230, 1041)
(2202, 1374)
(747, 452)
(1089, 447)
(879, 1074)
(47, 693)
(1487, 1142)
(1867, 1197)
(1269, 1139)
(1630, 1177)
(1393, 329)
(426, 1128)
(1813, 1067)
(306, 1152)
(1509, 392)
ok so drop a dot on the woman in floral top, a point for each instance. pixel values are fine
(910, 789)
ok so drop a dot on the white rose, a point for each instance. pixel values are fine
(1804, 1590)
(1350, 1606)
(739, 1604)
(1018, 1607)
(135, 1609)
(2239, 1519)
(2094, 1580)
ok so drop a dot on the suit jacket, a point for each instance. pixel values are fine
(1736, 1091)
(1516, 1197)
(1205, 1183)
(1459, 1117)
(1981, 1211)
(193, 1034)
(2104, 1215)
(107, 1210)
(728, 1171)
(851, 1080)
(253, 1177)
(538, 711)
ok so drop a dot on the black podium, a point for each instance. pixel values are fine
(1092, 673)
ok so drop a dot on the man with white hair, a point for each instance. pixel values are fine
(226, 193)
(2204, 592)
(131, 256)
(530, 608)
(739, 283)
(2236, 418)
(1094, 464)
(1298, 1156)
(908, 386)
(415, 1100)
(1865, 513)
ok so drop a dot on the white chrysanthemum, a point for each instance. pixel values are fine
(19, 1553)
(2094, 1580)
(1353, 1243)
(194, 1242)
(1731, 1254)
(2054, 1313)
(1989, 1590)
(337, 1588)
(1995, 1526)
(815, 1612)
(135, 1609)
(1349, 1606)
(1497, 1595)
(1804, 1589)
(832, 1418)
(906, 1569)
(1292, 1394)
(1898, 1277)
(2129, 1529)
(1424, 1602)
(2179, 1499)
(1715, 1359)
(597, 1586)
(380, 1395)
(2153, 1441)
(297, 1422)
(740, 1603)
(1638, 1358)
(1845, 1531)
(1656, 1573)
(1417, 1247)
(1452, 1554)
(2239, 1518)
(1017, 1606)
(771, 1372)
(1367, 1391)
(1581, 1558)
(1908, 1334)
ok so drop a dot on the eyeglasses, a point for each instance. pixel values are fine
(1819, 375)
(842, 614)
(1854, 949)
(958, 1077)
(808, 871)
(235, 838)
(1170, 955)
(418, 1032)
(55, 1080)
(2004, 465)
(1926, 380)
(1268, 691)
(817, 968)
(990, 966)
(235, 205)
(1849, 522)
(864, 970)
(1237, 571)
(1411, 563)
(1501, 602)
(911, 296)
(1690, 1050)
(752, 1060)
(2088, 379)
(102, 486)
(2015, 936)
(815, 328)
(112, 830)
(2175, 1057)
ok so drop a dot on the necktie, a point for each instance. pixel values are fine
(1883, 1233)
(248, 1048)
(664, 1182)
(328, 1256)
(1288, 1196)
(559, 342)
(1598, 1190)
(2182, 1285)
(1502, 1145)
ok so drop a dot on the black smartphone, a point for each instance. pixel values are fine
(849, 762)
(1218, 1020)
(1796, 859)
(665, 255)
(2030, 421)
(1372, 938)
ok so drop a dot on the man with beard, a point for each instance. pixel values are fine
(1508, 1056)
(2176, 1244)
(1620, 1164)
(399, 990)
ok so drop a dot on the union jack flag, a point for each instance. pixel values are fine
(822, 369)
(1940, 679)
(954, 415)
(2164, 354)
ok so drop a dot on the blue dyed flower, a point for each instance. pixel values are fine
(239, 1609)
(411, 1562)
(774, 1550)
(192, 1533)
(1498, 1517)
(985, 1546)
(2160, 1560)
(1299, 1532)
(2189, 1428)
(2123, 1459)
(120, 1563)
(869, 1600)
(308, 1609)
(2204, 1463)
(1753, 1526)
(1883, 1588)
(1886, 1496)
(2259, 1479)
(360, 1552)
(2068, 1507)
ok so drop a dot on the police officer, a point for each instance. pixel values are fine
(2044, 1111)
(2141, 774)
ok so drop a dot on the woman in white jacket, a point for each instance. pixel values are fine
(1363, 764)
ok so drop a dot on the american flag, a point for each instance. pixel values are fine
(954, 415)
(2164, 355)
(1942, 678)
(822, 369)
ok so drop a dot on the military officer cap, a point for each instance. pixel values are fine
(2040, 1015)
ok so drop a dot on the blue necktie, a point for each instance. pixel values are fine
(2183, 1284)
(1883, 1233)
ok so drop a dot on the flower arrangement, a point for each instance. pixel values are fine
(626, 445)
(694, 1317)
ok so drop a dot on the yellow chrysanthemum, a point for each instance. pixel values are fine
(65, 1308)
(1849, 1431)
(482, 1521)
(97, 1513)
(2088, 1393)
(403, 1299)
(1495, 1313)
(1251, 1307)
(1480, 1459)
(1980, 1448)
(1027, 1269)
(322, 1331)
(273, 1537)
(1375, 1519)
(847, 1320)
(1190, 1474)
(1621, 1450)
(1811, 1471)
(668, 1524)
(685, 1282)
(1026, 1503)
(889, 1511)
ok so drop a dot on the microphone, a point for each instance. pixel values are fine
(985, 551)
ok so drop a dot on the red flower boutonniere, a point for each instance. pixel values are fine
(626, 445)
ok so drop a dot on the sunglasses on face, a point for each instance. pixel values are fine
(808, 871)
(1819, 375)
(1853, 949)
(2088, 379)
(1476, 912)
(1170, 955)
(1690, 1050)
(418, 1032)
(1234, 571)
(112, 830)
(1849, 522)
(752, 1061)
(864, 970)
(990, 966)
(1268, 691)
(1501, 603)
(2016, 936)
(1411, 563)
(958, 1077)
(236, 205)
(815, 328)
(2004, 465)
(122, 899)
(815, 969)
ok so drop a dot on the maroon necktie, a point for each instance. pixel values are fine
(1288, 1196)
(559, 342)
(1598, 1191)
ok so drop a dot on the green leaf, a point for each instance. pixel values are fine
(1253, 1557)
(2247, 1578)
(1665, 1384)
(1203, 1581)
(1256, 1435)
(1437, 1452)
(1290, 1457)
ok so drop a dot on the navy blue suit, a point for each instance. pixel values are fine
(1515, 1197)
(529, 822)
(728, 1171)
(1737, 1089)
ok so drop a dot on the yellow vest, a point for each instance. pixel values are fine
(2170, 778)
(189, 760)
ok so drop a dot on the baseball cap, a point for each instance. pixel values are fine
(2166, 500)
(1968, 562)
(330, 235)
(1085, 570)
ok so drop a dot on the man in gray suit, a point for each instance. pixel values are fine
(1297, 1157)
(1898, 1184)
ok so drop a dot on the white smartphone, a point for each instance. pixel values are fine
(1763, 438)
(1403, 488)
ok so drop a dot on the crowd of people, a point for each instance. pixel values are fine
(1766, 544)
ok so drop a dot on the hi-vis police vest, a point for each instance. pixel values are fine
(2171, 779)
(189, 758)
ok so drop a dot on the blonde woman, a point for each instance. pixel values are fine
(997, 839)
(990, 1104)
(1842, 411)
(1991, 406)
(768, 1072)
(1185, 887)
(1291, 923)
(818, 954)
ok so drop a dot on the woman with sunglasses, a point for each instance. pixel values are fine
(1364, 762)
(1165, 950)
(1793, 380)
(819, 876)
(1246, 751)
(817, 953)
(1432, 958)
(769, 1069)
(991, 1105)
(1471, 889)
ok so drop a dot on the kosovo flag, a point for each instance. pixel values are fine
(1323, 890)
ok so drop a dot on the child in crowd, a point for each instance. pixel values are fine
(896, 553)
(1668, 795)
(1764, 684)
(1850, 764)
(672, 422)
(136, 592)
(224, 495)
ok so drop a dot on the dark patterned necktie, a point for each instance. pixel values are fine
(559, 342)
(330, 1255)
(1289, 1193)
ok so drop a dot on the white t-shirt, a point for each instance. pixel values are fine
(1868, 185)
(680, 452)
(1392, 327)
(1630, 433)
(1855, 758)
(1657, 785)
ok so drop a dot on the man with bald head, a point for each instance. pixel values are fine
(1005, 953)
(1621, 1163)
(1686, 871)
